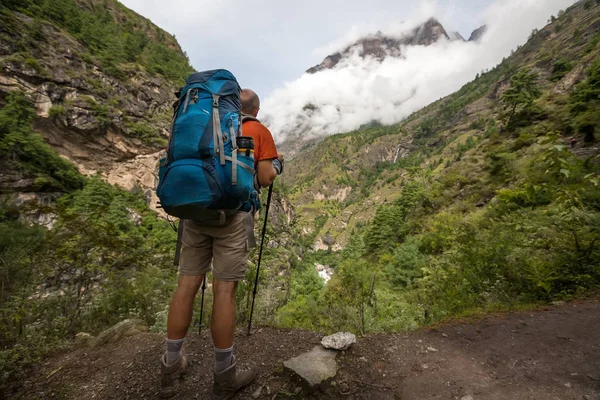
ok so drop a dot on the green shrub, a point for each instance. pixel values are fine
(57, 110)
(19, 142)
(478, 124)
(560, 69)
(149, 134)
(94, 268)
(111, 37)
(33, 63)
(405, 266)
(524, 140)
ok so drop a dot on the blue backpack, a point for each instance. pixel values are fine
(206, 176)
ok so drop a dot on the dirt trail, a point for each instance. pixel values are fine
(548, 354)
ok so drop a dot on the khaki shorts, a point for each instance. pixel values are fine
(226, 246)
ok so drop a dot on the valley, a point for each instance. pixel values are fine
(486, 201)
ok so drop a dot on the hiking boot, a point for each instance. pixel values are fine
(231, 380)
(170, 375)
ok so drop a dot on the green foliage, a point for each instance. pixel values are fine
(560, 69)
(306, 289)
(148, 134)
(354, 284)
(478, 124)
(112, 34)
(521, 94)
(388, 227)
(468, 145)
(585, 103)
(95, 267)
(593, 44)
(33, 63)
(28, 151)
(512, 220)
(406, 264)
(500, 164)
(587, 94)
(57, 110)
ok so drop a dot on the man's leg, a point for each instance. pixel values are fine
(196, 253)
(180, 315)
(182, 305)
(222, 325)
(230, 262)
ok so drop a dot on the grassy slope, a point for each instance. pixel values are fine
(362, 159)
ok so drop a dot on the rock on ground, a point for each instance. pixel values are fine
(521, 355)
(339, 341)
(83, 337)
(128, 327)
(314, 367)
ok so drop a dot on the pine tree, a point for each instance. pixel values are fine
(521, 95)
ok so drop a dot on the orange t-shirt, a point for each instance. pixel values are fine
(264, 145)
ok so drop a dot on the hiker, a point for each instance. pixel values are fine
(573, 142)
(227, 247)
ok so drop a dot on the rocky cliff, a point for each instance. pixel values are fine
(102, 105)
(380, 46)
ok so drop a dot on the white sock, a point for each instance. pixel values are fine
(223, 359)
(173, 350)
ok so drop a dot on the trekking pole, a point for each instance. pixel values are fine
(262, 242)
(202, 305)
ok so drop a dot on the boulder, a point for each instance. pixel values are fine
(128, 327)
(83, 337)
(315, 367)
(328, 240)
(339, 341)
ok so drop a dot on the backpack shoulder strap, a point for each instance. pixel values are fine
(246, 118)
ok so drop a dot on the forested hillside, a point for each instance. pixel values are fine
(486, 200)
(477, 202)
(83, 85)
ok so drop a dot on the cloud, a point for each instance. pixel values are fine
(267, 42)
(360, 91)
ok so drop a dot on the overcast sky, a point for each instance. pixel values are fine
(268, 44)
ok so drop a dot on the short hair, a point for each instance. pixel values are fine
(250, 101)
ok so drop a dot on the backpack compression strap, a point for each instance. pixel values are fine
(217, 134)
(218, 139)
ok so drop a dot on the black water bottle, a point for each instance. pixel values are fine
(245, 146)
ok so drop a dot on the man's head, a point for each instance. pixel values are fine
(250, 102)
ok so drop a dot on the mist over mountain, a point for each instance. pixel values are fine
(384, 77)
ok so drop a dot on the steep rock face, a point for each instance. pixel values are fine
(282, 212)
(92, 118)
(137, 174)
(456, 36)
(478, 33)
(380, 46)
(33, 208)
(110, 122)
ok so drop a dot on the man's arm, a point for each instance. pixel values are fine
(266, 172)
